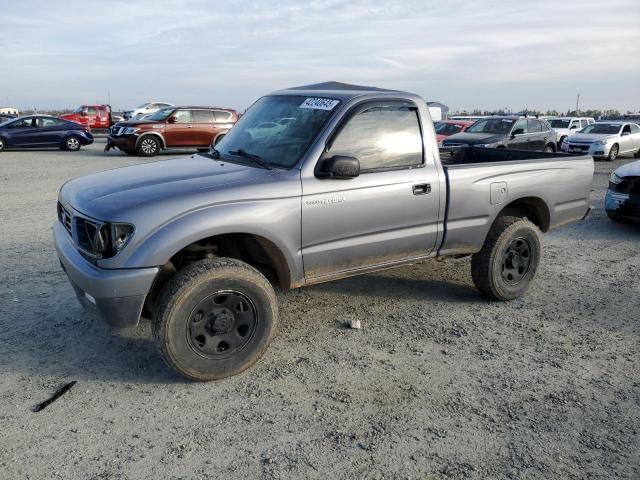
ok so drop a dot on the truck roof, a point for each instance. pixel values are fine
(339, 90)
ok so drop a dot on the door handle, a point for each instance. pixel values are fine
(189, 126)
(422, 188)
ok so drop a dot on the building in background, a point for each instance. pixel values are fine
(9, 111)
(439, 111)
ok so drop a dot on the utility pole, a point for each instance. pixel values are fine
(578, 105)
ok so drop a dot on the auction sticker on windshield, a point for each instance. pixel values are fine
(320, 103)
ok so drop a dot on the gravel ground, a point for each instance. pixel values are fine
(439, 383)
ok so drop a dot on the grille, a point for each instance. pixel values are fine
(91, 237)
(65, 217)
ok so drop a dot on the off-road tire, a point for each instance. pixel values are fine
(488, 265)
(199, 284)
(613, 153)
(72, 143)
(148, 146)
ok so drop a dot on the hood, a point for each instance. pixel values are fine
(629, 170)
(589, 137)
(473, 138)
(133, 123)
(71, 116)
(171, 186)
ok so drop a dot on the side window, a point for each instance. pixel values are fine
(182, 116)
(222, 117)
(583, 123)
(91, 111)
(635, 129)
(535, 126)
(382, 137)
(626, 129)
(51, 122)
(202, 116)
(575, 124)
(520, 127)
(151, 106)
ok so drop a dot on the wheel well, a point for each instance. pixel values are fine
(533, 208)
(254, 250)
(160, 139)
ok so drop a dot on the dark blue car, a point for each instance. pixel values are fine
(41, 131)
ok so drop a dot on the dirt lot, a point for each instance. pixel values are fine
(439, 383)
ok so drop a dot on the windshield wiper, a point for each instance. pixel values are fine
(256, 159)
(215, 154)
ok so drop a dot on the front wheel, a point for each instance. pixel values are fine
(149, 146)
(613, 153)
(72, 144)
(215, 318)
(3, 144)
(549, 149)
(509, 259)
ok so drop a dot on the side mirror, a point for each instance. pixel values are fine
(339, 167)
(517, 131)
(83, 113)
(573, 127)
(172, 120)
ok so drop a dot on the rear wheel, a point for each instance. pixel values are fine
(215, 318)
(149, 146)
(509, 259)
(3, 145)
(613, 153)
(72, 143)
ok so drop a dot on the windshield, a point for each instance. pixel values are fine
(447, 128)
(261, 132)
(608, 128)
(160, 115)
(558, 123)
(79, 109)
(142, 106)
(492, 125)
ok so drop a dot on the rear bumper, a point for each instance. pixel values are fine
(115, 296)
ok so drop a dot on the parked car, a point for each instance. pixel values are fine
(519, 133)
(198, 243)
(6, 116)
(605, 140)
(447, 128)
(93, 116)
(565, 126)
(622, 201)
(145, 109)
(37, 131)
(172, 127)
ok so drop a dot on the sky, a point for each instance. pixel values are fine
(467, 54)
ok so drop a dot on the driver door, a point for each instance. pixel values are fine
(387, 213)
(519, 135)
(179, 131)
(626, 141)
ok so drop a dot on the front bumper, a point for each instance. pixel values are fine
(122, 142)
(622, 205)
(593, 150)
(115, 296)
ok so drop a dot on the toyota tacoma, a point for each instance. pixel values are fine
(351, 182)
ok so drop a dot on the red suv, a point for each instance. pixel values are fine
(172, 127)
(92, 116)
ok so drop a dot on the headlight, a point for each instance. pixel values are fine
(615, 179)
(120, 234)
(130, 130)
(485, 145)
(601, 142)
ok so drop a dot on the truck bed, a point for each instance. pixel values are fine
(481, 182)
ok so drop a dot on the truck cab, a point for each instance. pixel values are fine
(93, 116)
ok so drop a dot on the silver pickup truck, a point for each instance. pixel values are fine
(313, 184)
